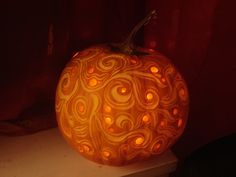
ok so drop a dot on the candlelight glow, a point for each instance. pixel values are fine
(116, 109)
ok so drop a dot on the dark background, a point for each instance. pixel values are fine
(197, 35)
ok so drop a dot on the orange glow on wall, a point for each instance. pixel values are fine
(115, 108)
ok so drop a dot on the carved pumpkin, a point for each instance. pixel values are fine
(116, 107)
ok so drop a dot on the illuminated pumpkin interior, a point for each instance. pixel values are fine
(116, 109)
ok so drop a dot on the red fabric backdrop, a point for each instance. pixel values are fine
(198, 36)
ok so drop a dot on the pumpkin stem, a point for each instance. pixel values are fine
(128, 46)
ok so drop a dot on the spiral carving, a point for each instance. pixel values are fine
(116, 109)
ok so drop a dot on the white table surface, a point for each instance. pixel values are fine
(46, 154)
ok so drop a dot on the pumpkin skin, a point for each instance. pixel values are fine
(115, 108)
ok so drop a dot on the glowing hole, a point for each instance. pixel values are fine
(157, 146)
(111, 130)
(123, 90)
(106, 154)
(86, 148)
(93, 82)
(182, 92)
(81, 108)
(180, 122)
(145, 118)
(154, 69)
(133, 61)
(81, 149)
(108, 120)
(139, 140)
(162, 123)
(90, 70)
(107, 108)
(163, 79)
(149, 96)
(175, 111)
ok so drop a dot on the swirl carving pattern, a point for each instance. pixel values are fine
(116, 109)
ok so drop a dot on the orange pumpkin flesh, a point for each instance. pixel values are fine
(116, 108)
(118, 104)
